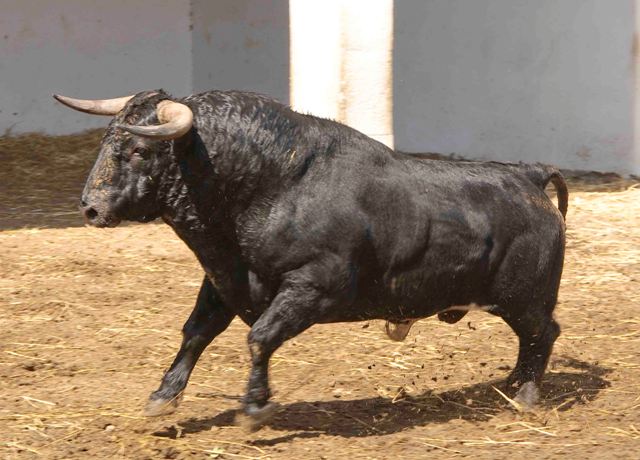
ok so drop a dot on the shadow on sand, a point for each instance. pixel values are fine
(379, 416)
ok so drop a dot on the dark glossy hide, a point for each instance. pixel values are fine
(298, 220)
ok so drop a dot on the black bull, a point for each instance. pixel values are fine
(298, 220)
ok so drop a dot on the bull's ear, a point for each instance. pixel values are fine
(176, 119)
(94, 106)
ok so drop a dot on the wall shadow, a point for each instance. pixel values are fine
(379, 416)
(42, 178)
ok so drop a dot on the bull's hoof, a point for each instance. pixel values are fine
(157, 407)
(252, 418)
(528, 395)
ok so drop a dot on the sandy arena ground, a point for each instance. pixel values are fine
(90, 318)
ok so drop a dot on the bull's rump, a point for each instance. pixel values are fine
(442, 243)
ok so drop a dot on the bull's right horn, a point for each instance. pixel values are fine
(95, 106)
(176, 119)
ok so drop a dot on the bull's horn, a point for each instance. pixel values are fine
(97, 106)
(176, 120)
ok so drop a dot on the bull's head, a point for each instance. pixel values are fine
(135, 155)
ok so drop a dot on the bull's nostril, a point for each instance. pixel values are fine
(90, 213)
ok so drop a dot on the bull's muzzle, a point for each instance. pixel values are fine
(96, 218)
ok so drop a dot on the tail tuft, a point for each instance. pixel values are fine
(541, 175)
(561, 192)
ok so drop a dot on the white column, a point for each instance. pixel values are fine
(315, 56)
(367, 71)
(341, 62)
(635, 167)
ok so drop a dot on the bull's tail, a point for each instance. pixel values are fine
(541, 175)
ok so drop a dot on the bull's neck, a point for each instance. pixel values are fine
(188, 196)
(247, 159)
(235, 157)
(196, 211)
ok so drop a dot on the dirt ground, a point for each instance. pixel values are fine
(90, 318)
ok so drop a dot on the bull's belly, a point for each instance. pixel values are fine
(412, 296)
(395, 313)
(412, 293)
(392, 308)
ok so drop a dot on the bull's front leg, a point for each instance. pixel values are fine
(298, 305)
(208, 319)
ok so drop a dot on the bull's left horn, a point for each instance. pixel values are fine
(95, 106)
(176, 120)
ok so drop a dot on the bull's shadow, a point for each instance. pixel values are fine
(378, 416)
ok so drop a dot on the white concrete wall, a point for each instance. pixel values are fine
(99, 49)
(241, 44)
(517, 80)
(86, 49)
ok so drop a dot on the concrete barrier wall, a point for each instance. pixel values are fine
(111, 48)
(241, 44)
(88, 50)
(517, 80)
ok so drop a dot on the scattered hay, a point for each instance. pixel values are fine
(91, 318)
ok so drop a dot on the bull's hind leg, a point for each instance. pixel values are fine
(525, 291)
(208, 319)
(536, 331)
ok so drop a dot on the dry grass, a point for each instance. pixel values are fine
(91, 318)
